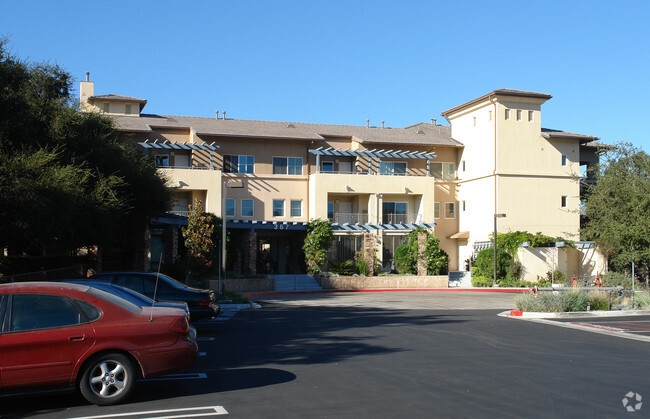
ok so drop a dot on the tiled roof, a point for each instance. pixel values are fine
(503, 92)
(554, 133)
(419, 134)
(118, 98)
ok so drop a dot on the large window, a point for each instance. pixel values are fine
(296, 208)
(278, 207)
(238, 164)
(443, 170)
(394, 212)
(392, 168)
(287, 165)
(246, 207)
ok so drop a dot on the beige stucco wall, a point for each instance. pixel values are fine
(204, 184)
(390, 282)
(537, 261)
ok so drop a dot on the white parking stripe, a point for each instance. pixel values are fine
(209, 411)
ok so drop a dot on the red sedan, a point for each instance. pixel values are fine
(56, 335)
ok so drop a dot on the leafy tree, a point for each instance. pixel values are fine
(406, 255)
(198, 237)
(485, 262)
(617, 208)
(67, 180)
(317, 243)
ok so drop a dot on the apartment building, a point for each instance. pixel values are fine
(375, 183)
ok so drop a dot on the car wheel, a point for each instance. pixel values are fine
(108, 379)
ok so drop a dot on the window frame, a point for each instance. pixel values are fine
(322, 166)
(291, 208)
(273, 208)
(289, 166)
(453, 210)
(232, 163)
(564, 201)
(242, 206)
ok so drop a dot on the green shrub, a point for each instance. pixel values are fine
(616, 279)
(485, 263)
(481, 281)
(642, 299)
(406, 255)
(562, 301)
(346, 267)
(510, 282)
(557, 276)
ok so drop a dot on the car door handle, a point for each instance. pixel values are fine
(77, 338)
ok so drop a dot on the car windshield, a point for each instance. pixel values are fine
(114, 299)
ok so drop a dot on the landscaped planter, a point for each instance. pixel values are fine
(391, 282)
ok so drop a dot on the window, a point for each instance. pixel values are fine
(238, 164)
(246, 207)
(330, 210)
(327, 167)
(394, 212)
(162, 160)
(443, 170)
(230, 207)
(530, 116)
(463, 165)
(518, 114)
(450, 210)
(278, 207)
(507, 114)
(392, 168)
(287, 165)
(128, 109)
(296, 208)
(436, 210)
(564, 201)
(53, 311)
(106, 107)
(563, 160)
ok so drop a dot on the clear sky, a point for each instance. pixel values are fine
(342, 62)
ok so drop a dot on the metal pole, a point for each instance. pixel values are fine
(494, 283)
(633, 291)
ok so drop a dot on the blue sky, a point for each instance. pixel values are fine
(342, 62)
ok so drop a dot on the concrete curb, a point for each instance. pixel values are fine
(265, 293)
(237, 307)
(575, 314)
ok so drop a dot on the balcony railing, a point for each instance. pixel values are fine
(349, 218)
(401, 218)
(354, 218)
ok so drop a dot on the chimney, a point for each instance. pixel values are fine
(382, 124)
(86, 90)
(217, 112)
(367, 123)
(224, 115)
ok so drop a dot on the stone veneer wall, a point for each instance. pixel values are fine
(391, 282)
(244, 285)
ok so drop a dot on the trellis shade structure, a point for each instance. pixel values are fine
(370, 227)
(373, 154)
(167, 145)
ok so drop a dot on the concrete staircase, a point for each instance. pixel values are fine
(295, 283)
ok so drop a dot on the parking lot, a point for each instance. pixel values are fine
(417, 354)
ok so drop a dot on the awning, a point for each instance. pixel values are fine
(461, 235)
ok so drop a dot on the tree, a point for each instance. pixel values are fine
(198, 237)
(406, 255)
(617, 208)
(67, 179)
(317, 243)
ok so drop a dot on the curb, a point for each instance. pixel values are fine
(265, 293)
(573, 314)
(237, 307)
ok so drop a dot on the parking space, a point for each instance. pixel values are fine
(636, 327)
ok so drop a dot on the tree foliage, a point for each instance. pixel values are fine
(406, 255)
(66, 178)
(317, 243)
(512, 240)
(198, 236)
(617, 208)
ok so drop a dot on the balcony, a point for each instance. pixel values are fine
(348, 218)
(394, 218)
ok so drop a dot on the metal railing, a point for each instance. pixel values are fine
(349, 218)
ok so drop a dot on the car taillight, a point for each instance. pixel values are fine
(205, 302)
(181, 326)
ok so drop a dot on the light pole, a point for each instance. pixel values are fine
(494, 283)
